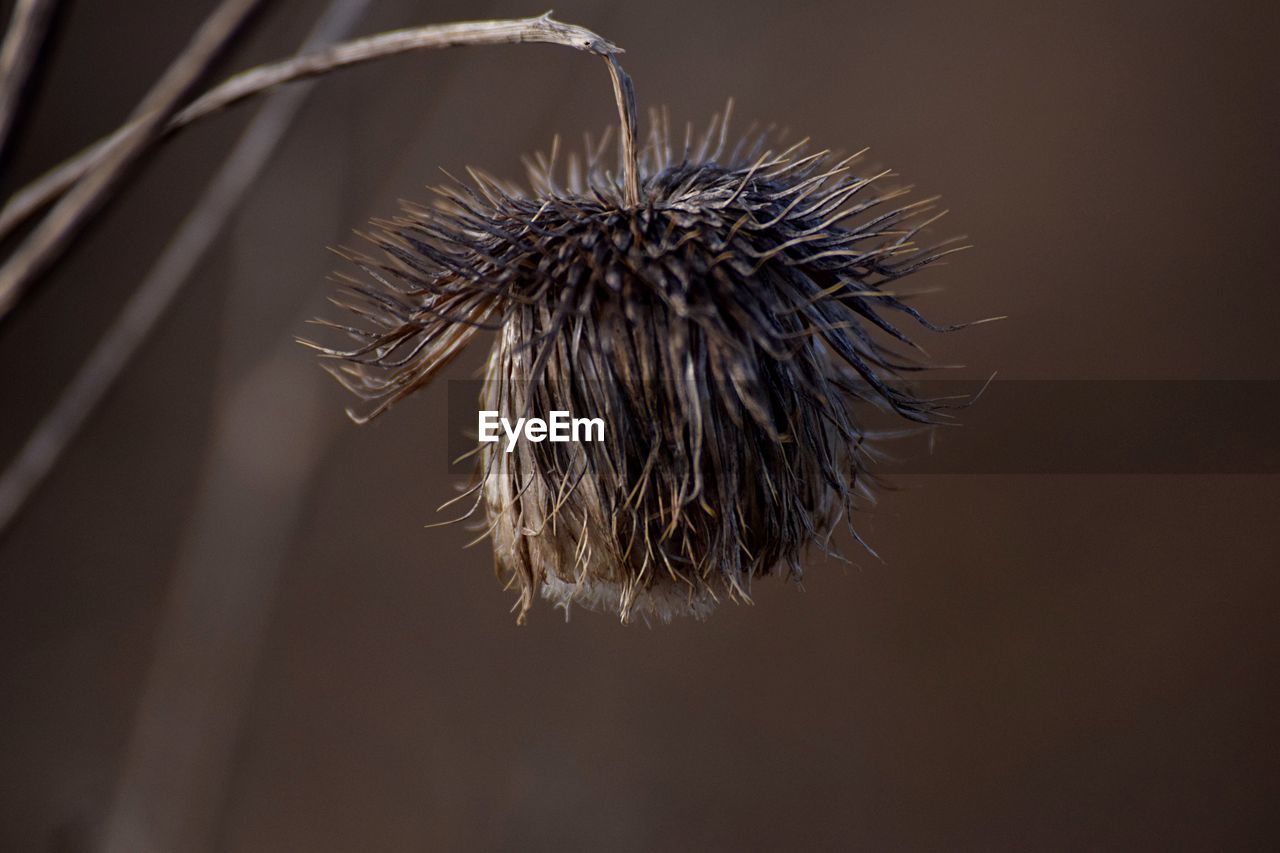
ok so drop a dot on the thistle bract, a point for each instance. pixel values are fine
(728, 328)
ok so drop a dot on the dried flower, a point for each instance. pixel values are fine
(727, 328)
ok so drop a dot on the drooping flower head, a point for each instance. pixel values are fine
(730, 329)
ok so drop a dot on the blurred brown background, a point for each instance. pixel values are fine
(224, 627)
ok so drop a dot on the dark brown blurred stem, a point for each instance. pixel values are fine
(60, 226)
(162, 283)
(22, 41)
(257, 80)
(268, 434)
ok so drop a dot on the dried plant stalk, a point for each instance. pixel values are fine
(60, 226)
(164, 280)
(257, 80)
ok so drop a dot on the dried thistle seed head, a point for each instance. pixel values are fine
(727, 329)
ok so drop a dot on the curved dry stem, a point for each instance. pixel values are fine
(257, 80)
(166, 278)
(55, 232)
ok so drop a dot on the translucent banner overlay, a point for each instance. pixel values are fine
(1043, 427)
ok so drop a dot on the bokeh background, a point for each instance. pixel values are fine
(224, 627)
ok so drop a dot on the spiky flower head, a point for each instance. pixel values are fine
(729, 328)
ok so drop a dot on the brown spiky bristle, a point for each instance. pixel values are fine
(726, 329)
